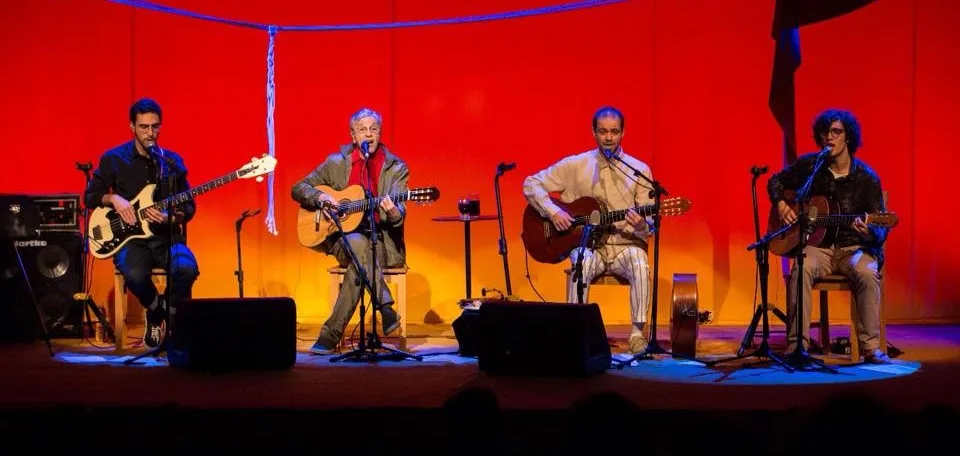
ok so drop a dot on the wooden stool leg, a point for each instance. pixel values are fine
(854, 335)
(119, 311)
(401, 280)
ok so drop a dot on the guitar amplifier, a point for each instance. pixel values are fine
(24, 216)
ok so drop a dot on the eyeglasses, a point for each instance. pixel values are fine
(145, 127)
(833, 133)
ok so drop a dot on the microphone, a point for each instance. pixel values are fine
(504, 167)
(607, 153)
(247, 213)
(365, 149)
(758, 170)
(825, 151)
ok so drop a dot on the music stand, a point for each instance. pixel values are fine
(762, 248)
(799, 358)
(367, 351)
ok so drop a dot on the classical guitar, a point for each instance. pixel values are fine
(547, 245)
(108, 233)
(825, 226)
(313, 225)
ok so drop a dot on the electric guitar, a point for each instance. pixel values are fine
(313, 225)
(108, 233)
(547, 245)
(825, 226)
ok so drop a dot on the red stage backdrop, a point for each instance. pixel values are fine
(692, 78)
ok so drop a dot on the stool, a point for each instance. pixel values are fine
(839, 282)
(397, 276)
(159, 277)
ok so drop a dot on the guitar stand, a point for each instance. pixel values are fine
(367, 350)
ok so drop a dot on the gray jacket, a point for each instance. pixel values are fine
(335, 171)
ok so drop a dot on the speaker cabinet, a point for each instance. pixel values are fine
(225, 334)
(52, 270)
(544, 339)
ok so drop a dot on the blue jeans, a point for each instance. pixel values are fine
(140, 256)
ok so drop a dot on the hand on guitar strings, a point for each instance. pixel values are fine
(787, 215)
(123, 207)
(393, 212)
(562, 221)
(635, 220)
(326, 203)
(860, 226)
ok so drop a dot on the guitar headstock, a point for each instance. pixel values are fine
(675, 206)
(882, 219)
(424, 195)
(257, 167)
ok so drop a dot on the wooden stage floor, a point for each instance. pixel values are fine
(86, 389)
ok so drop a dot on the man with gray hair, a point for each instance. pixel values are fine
(368, 163)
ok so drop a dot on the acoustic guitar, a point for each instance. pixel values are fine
(314, 226)
(547, 245)
(108, 233)
(825, 226)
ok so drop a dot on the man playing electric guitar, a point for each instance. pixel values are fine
(367, 163)
(122, 173)
(857, 249)
(622, 247)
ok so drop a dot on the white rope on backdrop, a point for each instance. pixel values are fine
(272, 30)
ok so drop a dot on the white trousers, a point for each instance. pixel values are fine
(628, 262)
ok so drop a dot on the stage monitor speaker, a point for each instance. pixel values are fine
(545, 339)
(51, 262)
(226, 334)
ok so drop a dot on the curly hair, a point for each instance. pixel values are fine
(821, 127)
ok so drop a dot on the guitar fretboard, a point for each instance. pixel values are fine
(363, 205)
(607, 218)
(188, 195)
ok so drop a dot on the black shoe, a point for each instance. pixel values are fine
(153, 334)
(390, 319)
(324, 345)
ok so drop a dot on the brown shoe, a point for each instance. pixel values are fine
(637, 343)
(876, 356)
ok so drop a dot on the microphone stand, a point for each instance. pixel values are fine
(578, 265)
(374, 344)
(656, 192)
(239, 271)
(166, 164)
(762, 247)
(799, 358)
(502, 168)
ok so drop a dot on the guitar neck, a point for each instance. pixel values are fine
(607, 218)
(188, 195)
(364, 204)
(835, 220)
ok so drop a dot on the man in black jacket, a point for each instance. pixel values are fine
(855, 250)
(122, 174)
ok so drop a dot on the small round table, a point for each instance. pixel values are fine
(466, 220)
